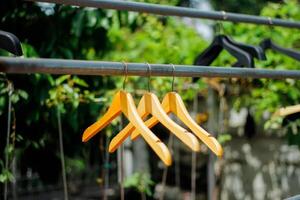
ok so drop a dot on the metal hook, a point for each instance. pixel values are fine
(173, 80)
(270, 21)
(126, 72)
(149, 76)
(224, 14)
(271, 28)
(220, 29)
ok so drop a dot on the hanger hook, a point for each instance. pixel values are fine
(149, 76)
(224, 19)
(126, 72)
(270, 21)
(224, 15)
(270, 25)
(220, 29)
(173, 79)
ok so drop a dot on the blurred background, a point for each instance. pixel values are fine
(261, 155)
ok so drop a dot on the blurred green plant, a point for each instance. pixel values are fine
(6, 175)
(224, 137)
(67, 89)
(140, 182)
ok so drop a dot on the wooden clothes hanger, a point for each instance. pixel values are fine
(282, 112)
(172, 102)
(124, 103)
(150, 104)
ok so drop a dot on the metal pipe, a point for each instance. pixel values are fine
(176, 11)
(81, 67)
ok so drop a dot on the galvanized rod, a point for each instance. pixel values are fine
(176, 11)
(81, 67)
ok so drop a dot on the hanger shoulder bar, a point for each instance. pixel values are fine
(181, 112)
(149, 123)
(113, 111)
(255, 51)
(287, 110)
(157, 111)
(242, 56)
(289, 52)
(120, 138)
(131, 113)
(125, 132)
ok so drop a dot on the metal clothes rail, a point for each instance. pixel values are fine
(81, 67)
(176, 11)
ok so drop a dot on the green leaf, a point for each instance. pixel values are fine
(6, 176)
(23, 94)
(61, 79)
(223, 138)
(80, 82)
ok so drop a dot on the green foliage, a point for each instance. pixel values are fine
(141, 182)
(6, 176)
(273, 123)
(223, 138)
(74, 166)
(269, 95)
(68, 90)
(156, 41)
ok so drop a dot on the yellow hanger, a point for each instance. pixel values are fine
(172, 102)
(282, 112)
(123, 103)
(150, 104)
